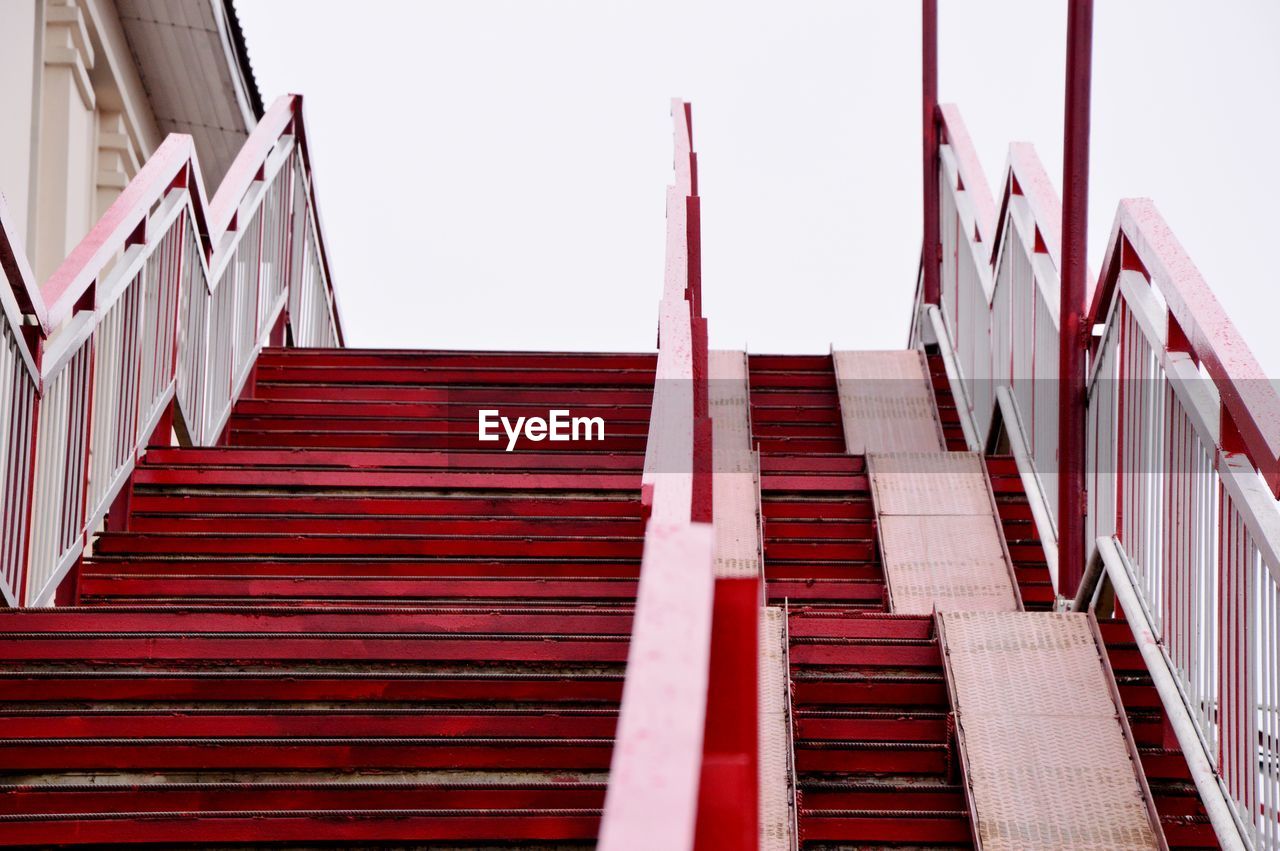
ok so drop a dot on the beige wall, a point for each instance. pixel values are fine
(83, 121)
(18, 34)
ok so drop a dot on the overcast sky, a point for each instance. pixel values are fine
(492, 174)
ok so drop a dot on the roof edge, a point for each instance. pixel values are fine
(241, 51)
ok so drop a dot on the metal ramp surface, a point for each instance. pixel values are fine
(777, 779)
(1048, 760)
(736, 481)
(886, 402)
(940, 538)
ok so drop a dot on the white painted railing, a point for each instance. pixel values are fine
(1109, 560)
(999, 301)
(19, 388)
(1178, 411)
(1183, 433)
(161, 309)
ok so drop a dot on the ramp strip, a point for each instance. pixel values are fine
(886, 402)
(735, 487)
(777, 782)
(1047, 762)
(940, 538)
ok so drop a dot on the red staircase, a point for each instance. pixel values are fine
(351, 624)
(874, 752)
(819, 526)
(1181, 813)
(874, 748)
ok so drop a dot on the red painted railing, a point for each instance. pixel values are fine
(1183, 441)
(156, 317)
(683, 775)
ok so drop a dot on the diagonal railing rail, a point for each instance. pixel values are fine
(154, 319)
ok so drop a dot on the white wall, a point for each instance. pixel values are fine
(78, 124)
(18, 20)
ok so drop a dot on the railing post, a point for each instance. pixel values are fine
(931, 256)
(1073, 340)
(27, 519)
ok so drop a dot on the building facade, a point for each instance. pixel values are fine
(92, 87)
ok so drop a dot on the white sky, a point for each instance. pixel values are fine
(492, 174)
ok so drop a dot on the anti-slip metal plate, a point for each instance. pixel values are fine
(988, 654)
(917, 589)
(882, 367)
(952, 563)
(735, 487)
(728, 400)
(929, 483)
(944, 538)
(776, 780)
(876, 424)
(886, 402)
(1045, 757)
(737, 524)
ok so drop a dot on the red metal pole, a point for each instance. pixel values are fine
(932, 249)
(1074, 335)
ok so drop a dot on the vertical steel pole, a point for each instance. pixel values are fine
(1074, 335)
(932, 249)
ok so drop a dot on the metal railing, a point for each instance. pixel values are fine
(1183, 458)
(1182, 471)
(667, 788)
(159, 312)
(999, 304)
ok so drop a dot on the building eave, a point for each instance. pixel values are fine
(193, 63)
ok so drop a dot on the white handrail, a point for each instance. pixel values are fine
(998, 312)
(1183, 433)
(163, 307)
(1110, 557)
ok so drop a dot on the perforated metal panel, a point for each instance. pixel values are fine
(951, 563)
(735, 488)
(737, 524)
(930, 483)
(728, 400)
(776, 778)
(882, 366)
(940, 538)
(1045, 757)
(886, 402)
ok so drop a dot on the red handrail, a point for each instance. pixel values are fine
(165, 208)
(1142, 241)
(956, 134)
(1026, 177)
